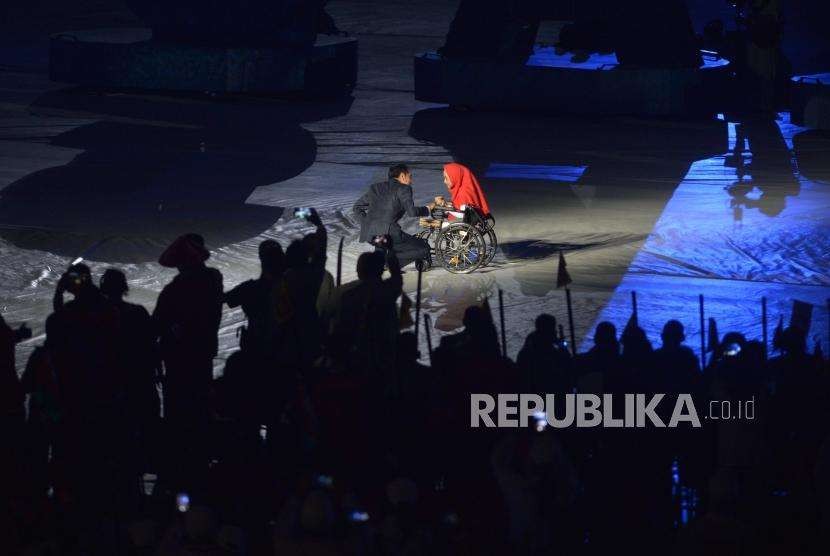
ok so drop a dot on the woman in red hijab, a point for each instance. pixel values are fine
(464, 188)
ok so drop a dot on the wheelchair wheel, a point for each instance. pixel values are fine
(492, 244)
(460, 248)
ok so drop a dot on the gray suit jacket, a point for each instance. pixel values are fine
(380, 208)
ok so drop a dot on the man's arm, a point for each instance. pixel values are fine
(234, 297)
(322, 238)
(405, 197)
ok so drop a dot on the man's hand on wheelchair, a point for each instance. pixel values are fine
(383, 242)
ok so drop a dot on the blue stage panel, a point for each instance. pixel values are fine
(569, 174)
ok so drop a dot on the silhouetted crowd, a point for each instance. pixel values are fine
(326, 434)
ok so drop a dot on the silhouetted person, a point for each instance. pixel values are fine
(295, 299)
(412, 409)
(416, 379)
(12, 414)
(250, 376)
(366, 329)
(254, 296)
(11, 393)
(43, 415)
(677, 371)
(676, 367)
(141, 365)
(471, 359)
(801, 392)
(794, 369)
(83, 335)
(636, 360)
(383, 205)
(479, 337)
(602, 359)
(470, 362)
(544, 364)
(83, 338)
(187, 317)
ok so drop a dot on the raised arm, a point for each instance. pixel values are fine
(322, 237)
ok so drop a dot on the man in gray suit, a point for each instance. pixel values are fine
(380, 208)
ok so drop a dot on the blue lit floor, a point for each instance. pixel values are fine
(735, 241)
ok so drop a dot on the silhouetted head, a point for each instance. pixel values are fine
(408, 347)
(673, 334)
(479, 326)
(753, 355)
(546, 327)
(186, 251)
(77, 278)
(731, 345)
(271, 257)
(113, 283)
(474, 316)
(295, 255)
(605, 337)
(635, 342)
(401, 173)
(370, 265)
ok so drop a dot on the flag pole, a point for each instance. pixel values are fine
(702, 335)
(427, 327)
(571, 320)
(501, 319)
(339, 263)
(634, 307)
(418, 302)
(764, 326)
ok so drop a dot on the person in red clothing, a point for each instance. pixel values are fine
(464, 188)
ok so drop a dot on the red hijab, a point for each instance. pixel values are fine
(465, 189)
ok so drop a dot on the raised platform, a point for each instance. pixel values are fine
(811, 100)
(131, 58)
(552, 82)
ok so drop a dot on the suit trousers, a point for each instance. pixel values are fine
(409, 248)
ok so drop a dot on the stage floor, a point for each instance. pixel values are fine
(669, 209)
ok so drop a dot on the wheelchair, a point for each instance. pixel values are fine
(461, 241)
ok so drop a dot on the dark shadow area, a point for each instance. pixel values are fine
(812, 151)
(154, 167)
(531, 249)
